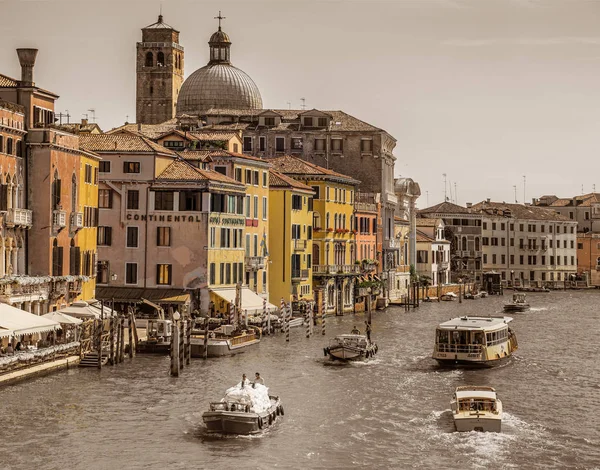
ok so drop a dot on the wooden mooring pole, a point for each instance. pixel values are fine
(175, 348)
(188, 343)
(111, 354)
(130, 332)
(181, 343)
(323, 309)
(99, 338)
(122, 329)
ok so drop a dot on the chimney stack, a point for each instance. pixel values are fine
(27, 61)
(84, 122)
(488, 200)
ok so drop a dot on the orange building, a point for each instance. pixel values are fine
(588, 256)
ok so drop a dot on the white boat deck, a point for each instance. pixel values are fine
(475, 323)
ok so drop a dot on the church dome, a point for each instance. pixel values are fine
(218, 84)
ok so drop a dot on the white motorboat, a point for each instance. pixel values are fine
(449, 297)
(246, 409)
(476, 409)
(158, 337)
(518, 304)
(350, 348)
(479, 341)
(224, 340)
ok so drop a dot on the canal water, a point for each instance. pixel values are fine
(392, 412)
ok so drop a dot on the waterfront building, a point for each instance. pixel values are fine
(588, 257)
(527, 244)
(51, 191)
(334, 246)
(433, 251)
(366, 227)
(290, 238)
(462, 227)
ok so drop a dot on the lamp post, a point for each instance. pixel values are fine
(512, 278)
(369, 305)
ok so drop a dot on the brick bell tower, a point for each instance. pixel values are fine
(159, 73)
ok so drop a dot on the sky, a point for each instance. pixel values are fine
(486, 92)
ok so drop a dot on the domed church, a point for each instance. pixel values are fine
(218, 84)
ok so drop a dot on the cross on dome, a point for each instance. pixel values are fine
(220, 18)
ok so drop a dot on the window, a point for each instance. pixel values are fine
(104, 237)
(131, 167)
(337, 145)
(130, 273)
(247, 206)
(103, 272)
(256, 207)
(521, 227)
(264, 208)
(149, 59)
(262, 143)
(279, 144)
(104, 166)
(297, 143)
(163, 236)
(296, 232)
(308, 121)
(265, 179)
(322, 122)
(317, 191)
(494, 258)
(521, 259)
(269, 121)
(132, 237)
(493, 225)
(296, 202)
(485, 226)
(192, 201)
(366, 145)
(319, 145)
(485, 258)
(238, 174)
(255, 178)
(133, 199)
(580, 246)
(75, 260)
(57, 259)
(105, 198)
(213, 274)
(512, 259)
(247, 144)
(163, 274)
(572, 244)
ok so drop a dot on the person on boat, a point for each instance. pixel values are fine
(244, 380)
(368, 331)
(355, 331)
(258, 380)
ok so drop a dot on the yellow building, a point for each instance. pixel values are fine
(290, 239)
(253, 172)
(201, 140)
(84, 221)
(334, 247)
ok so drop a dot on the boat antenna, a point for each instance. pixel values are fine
(445, 188)
(524, 186)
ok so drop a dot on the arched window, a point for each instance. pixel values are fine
(160, 59)
(149, 59)
(344, 221)
(316, 252)
(598, 261)
(74, 193)
(327, 221)
(476, 243)
(56, 188)
(335, 222)
(316, 220)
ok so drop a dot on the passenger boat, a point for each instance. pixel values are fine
(224, 341)
(448, 297)
(518, 304)
(158, 337)
(350, 347)
(476, 409)
(244, 410)
(477, 341)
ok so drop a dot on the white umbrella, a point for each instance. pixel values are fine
(63, 318)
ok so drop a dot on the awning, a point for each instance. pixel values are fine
(251, 302)
(63, 318)
(82, 310)
(5, 333)
(136, 294)
(24, 323)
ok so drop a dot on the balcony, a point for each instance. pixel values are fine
(300, 245)
(59, 219)
(76, 221)
(443, 266)
(254, 263)
(19, 218)
(299, 274)
(75, 287)
(59, 289)
(332, 269)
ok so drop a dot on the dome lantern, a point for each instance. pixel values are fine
(219, 45)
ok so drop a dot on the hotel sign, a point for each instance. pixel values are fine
(220, 220)
(164, 218)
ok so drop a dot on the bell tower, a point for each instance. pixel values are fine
(159, 73)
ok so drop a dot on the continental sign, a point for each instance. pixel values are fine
(215, 220)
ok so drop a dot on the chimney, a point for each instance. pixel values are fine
(27, 61)
(488, 200)
(84, 122)
(469, 205)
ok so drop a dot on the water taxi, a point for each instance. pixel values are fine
(350, 347)
(224, 341)
(518, 304)
(246, 409)
(158, 337)
(479, 341)
(476, 409)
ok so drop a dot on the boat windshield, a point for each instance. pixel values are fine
(477, 404)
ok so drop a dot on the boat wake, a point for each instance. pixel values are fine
(538, 309)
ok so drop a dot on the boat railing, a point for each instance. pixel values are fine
(229, 406)
(458, 348)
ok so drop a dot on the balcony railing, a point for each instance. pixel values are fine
(59, 219)
(19, 217)
(300, 245)
(254, 263)
(76, 221)
(300, 274)
(336, 269)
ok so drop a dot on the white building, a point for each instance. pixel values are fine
(433, 251)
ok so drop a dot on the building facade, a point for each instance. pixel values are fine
(290, 239)
(433, 252)
(527, 245)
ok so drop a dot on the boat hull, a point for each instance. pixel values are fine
(516, 308)
(235, 422)
(145, 347)
(456, 361)
(219, 348)
(478, 423)
(344, 353)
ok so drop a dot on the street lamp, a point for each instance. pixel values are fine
(176, 316)
(369, 304)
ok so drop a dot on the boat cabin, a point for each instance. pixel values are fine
(519, 299)
(482, 399)
(159, 330)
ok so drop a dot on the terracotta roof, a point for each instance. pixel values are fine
(160, 24)
(445, 208)
(423, 222)
(152, 131)
(584, 200)
(519, 211)
(121, 143)
(295, 166)
(17, 108)
(180, 170)
(78, 127)
(279, 180)
(200, 135)
(6, 81)
(202, 155)
(421, 237)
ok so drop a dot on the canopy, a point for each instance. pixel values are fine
(63, 318)
(251, 302)
(4, 332)
(24, 323)
(82, 310)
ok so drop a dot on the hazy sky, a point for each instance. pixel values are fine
(485, 91)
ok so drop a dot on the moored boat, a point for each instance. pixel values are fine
(476, 409)
(158, 337)
(518, 304)
(449, 297)
(224, 341)
(245, 409)
(350, 347)
(478, 341)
